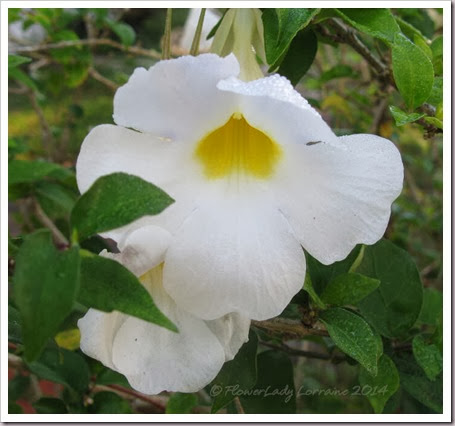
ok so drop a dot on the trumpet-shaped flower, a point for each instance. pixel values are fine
(256, 174)
(151, 357)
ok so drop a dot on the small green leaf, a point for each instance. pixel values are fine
(300, 56)
(110, 403)
(427, 356)
(239, 373)
(23, 78)
(378, 23)
(308, 287)
(116, 200)
(111, 377)
(16, 60)
(50, 406)
(352, 334)
(434, 121)
(124, 32)
(106, 285)
(393, 308)
(431, 306)
(348, 289)
(338, 71)
(280, 27)
(23, 171)
(181, 403)
(402, 118)
(274, 392)
(412, 70)
(378, 389)
(45, 286)
(436, 95)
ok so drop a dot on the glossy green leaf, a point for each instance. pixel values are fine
(123, 31)
(110, 403)
(401, 118)
(24, 171)
(412, 70)
(352, 334)
(378, 389)
(116, 200)
(416, 383)
(16, 60)
(237, 374)
(378, 23)
(50, 406)
(45, 286)
(431, 306)
(348, 289)
(427, 356)
(274, 392)
(64, 367)
(106, 285)
(394, 307)
(300, 56)
(280, 27)
(437, 51)
(181, 403)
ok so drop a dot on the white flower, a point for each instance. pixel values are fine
(256, 174)
(151, 357)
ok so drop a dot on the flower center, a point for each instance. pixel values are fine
(237, 147)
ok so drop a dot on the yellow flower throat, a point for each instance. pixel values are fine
(237, 147)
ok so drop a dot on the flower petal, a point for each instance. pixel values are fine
(234, 255)
(337, 196)
(232, 332)
(177, 98)
(155, 359)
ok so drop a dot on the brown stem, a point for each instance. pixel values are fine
(238, 405)
(288, 327)
(104, 80)
(45, 128)
(47, 222)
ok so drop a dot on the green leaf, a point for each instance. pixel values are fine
(300, 56)
(17, 386)
(14, 408)
(280, 27)
(45, 286)
(116, 200)
(416, 383)
(50, 406)
(110, 403)
(431, 306)
(308, 287)
(16, 60)
(239, 373)
(55, 199)
(348, 289)
(274, 392)
(378, 389)
(352, 334)
(437, 51)
(181, 403)
(111, 377)
(427, 356)
(436, 95)
(394, 307)
(124, 32)
(14, 325)
(402, 118)
(378, 23)
(412, 70)
(23, 78)
(434, 121)
(106, 285)
(64, 367)
(338, 71)
(24, 171)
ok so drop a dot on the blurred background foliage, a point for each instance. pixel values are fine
(66, 67)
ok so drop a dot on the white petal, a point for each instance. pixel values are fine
(155, 359)
(232, 332)
(337, 196)
(177, 98)
(98, 330)
(234, 256)
(273, 106)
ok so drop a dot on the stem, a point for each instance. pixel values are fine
(197, 35)
(167, 35)
(47, 222)
(238, 405)
(103, 80)
(292, 328)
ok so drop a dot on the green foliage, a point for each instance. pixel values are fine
(237, 375)
(431, 306)
(45, 286)
(125, 32)
(378, 389)
(181, 403)
(352, 334)
(50, 406)
(402, 118)
(394, 307)
(106, 285)
(15, 60)
(24, 171)
(116, 200)
(109, 403)
(427, 356)
(412, 70)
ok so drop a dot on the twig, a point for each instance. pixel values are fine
(288, 327)
(379, 115)
(238, 405)
(104, 80)
(45, 128)
(47, 222)
(90, 42)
